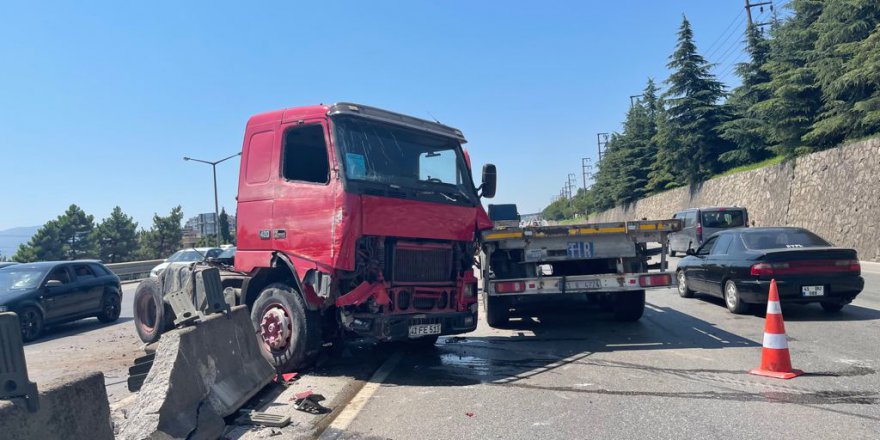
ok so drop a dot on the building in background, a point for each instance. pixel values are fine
(203, 225)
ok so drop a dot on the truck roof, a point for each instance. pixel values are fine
(321, 110)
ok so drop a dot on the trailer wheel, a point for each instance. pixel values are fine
(289, 334)
(497, 312)
(152, 316)
(629, 306)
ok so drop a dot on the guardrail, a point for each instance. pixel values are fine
(133, 270)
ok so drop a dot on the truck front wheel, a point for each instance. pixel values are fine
(629, 306)
(289, 334)
(497, 312)
(152, 316)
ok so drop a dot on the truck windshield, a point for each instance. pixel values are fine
(399, 157)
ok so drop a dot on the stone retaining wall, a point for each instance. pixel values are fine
(834, 193)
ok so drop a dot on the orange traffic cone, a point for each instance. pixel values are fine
(775, 360)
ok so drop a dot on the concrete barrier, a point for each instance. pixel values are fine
(200, 374)
(73, 408)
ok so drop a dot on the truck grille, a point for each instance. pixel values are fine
(422, 263)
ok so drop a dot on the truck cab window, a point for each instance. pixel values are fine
(305, 155)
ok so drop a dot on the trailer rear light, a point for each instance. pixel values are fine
(655, 280)
(510, 287)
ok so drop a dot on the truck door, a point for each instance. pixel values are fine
(305, 199)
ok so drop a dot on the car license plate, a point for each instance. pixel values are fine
(813, 290)
(583, 284)
(424, 330)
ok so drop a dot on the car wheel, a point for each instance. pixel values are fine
(152, 316)
(497, 312)
(629, 306)
(289, 334)
(683, 290)
(831, 307)
(732, 300)
(31, 321)
(110, 308)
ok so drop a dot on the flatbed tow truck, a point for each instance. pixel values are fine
(530, 268)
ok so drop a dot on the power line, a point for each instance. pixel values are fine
(725, 31)
(711, 53)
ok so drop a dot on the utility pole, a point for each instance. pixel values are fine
(749, 7)
(601, 141)
(216, 205)
(632, 103)
(572, 184)
(586, 169)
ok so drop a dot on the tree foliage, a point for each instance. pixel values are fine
(810, 83)
(164, 238)
(116, 237)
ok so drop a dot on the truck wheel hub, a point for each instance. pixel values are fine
(275, 328)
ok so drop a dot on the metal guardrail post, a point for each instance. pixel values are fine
(13, 367)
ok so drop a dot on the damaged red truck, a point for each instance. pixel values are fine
(355, 220)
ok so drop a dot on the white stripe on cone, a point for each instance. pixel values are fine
(773, 307)
(775, 341)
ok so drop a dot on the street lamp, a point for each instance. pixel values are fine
(216, 207)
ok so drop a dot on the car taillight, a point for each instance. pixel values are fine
(762, 269)
(699, 232)
(510, 287)
(655, 280)
(806, 267)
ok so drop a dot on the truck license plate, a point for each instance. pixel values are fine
(583, 284)
(424, 330)
(813, 290)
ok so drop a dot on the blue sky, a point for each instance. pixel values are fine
(102, 100)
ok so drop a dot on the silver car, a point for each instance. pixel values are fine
(701, 223)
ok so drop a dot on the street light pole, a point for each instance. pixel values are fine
(216, 204)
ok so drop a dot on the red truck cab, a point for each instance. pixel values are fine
(356, 220)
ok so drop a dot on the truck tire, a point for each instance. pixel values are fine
(497, 312)
(629, 306)
(289, 333)
(152, 316)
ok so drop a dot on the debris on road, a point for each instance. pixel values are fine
(261, 418)
(309, 402)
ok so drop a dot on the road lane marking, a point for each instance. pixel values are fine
(357, 403)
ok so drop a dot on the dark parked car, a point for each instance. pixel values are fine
(738, 265)
(55, 292)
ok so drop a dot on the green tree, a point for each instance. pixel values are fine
(746, 130)
(164, 238)
(223, 220)
(46, 245)
(844, 63)
(795, 97)
(116, 237)
(77, 230)
(691, 145)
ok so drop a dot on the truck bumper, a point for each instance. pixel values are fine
(397, 327)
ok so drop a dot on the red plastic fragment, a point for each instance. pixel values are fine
(469, 414)
(303, 394)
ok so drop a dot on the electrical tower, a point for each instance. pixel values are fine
(586, 169)
(601, 142)
(761, 5)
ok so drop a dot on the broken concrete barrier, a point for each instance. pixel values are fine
(75, 408)
(200, 374)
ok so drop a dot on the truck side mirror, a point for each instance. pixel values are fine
(487, 189)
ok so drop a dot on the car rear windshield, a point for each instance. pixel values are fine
(781, 238)
(723, 219)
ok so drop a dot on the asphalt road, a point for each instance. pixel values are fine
(680, 372)
(89, 345)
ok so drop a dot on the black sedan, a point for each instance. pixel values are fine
(49, 293)
(737, 265)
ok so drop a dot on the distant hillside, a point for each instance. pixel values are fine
(11, 238)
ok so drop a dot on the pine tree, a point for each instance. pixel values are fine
(164, 238)
(116, 237)
(746, 130)
(796, 98)
(841, 29)
(688, 143)
(77, 229)
(46, 245)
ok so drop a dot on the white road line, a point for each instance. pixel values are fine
(348, 414)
